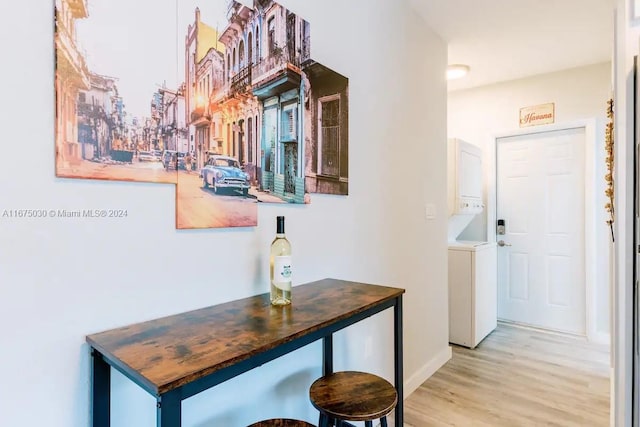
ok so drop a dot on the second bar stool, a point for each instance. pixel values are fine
(353, 396)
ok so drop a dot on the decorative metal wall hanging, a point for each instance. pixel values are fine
(609, 147)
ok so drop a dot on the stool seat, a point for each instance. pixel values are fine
(281, 422)
(353, 396)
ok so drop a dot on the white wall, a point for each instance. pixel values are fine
(627, 33)
(479, 115)
(63, 279)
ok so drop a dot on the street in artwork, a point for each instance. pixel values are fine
(231, 109)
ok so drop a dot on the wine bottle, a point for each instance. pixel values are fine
(280, 266)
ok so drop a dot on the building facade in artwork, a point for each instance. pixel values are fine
(283, 116)
(71, 76)
(327, 131)
(203, 54)
(172, 124)
(280, 84)
(234, 100)
(98, 119)
(261, 100)
(208, 123)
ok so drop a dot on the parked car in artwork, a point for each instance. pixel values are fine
(146, 156)
(223, 172)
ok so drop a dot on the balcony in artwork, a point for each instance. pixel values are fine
(198, 114)
(241, 82)
(237, 15)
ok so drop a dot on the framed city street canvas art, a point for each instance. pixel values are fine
(221, 98)
(105, 83)
(258, 96)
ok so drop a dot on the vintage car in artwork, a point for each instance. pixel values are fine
(146, 156)
(223, 172)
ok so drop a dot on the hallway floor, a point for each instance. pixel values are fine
(517, 377)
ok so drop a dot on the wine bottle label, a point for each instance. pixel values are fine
(282, 272)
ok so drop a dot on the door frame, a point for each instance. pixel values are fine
(590, 214)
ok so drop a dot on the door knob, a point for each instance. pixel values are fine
(502, 243)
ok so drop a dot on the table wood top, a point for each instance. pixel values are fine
(169, 352)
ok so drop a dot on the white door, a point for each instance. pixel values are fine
(540, 195)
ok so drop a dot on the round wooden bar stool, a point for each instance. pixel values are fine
(353, 396)
(281, 422)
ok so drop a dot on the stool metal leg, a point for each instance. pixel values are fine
(383, 421)
(368, 424)
(325, 421)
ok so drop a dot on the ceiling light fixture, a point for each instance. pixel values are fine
(456, 71)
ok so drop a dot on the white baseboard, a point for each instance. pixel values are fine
(426, 371)
(612, 399)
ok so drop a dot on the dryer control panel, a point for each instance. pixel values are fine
(469, 206)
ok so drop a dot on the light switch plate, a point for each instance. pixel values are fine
(430, 211)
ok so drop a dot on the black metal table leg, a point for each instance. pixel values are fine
(169, 412)
(101, 390)
(327, 368)
(327, 355)
(397, 346)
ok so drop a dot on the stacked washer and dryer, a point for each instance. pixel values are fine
(472, 264)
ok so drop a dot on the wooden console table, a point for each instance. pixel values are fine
(176, 357)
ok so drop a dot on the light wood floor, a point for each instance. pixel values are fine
(517, 377)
